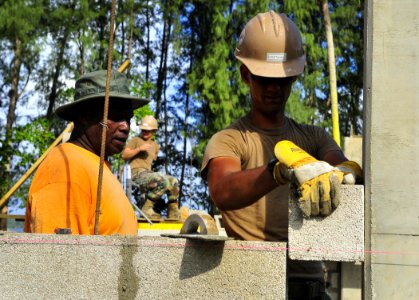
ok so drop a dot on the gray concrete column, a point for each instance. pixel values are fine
(391, 166)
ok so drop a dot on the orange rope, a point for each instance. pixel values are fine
(105, 118)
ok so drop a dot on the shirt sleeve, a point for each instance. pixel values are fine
(132, 143)
(222, 144)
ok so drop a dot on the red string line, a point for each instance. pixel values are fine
(143, 243)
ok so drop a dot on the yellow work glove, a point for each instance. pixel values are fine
(352, 172)
(317, 184)
(279, 171)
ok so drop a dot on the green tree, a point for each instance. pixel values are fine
(18, 26)
(347, 26)
(182, 55)
(349, 40)
(214, 79)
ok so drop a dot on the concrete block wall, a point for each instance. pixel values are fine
(115, 267)
(338, 237)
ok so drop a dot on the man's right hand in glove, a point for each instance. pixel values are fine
(317, 183)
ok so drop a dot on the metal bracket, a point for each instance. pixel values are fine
(208, 230)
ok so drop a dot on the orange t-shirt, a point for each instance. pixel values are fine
(63, 194)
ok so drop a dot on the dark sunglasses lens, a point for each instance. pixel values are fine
(272, 80)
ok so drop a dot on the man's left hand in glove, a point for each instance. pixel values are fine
(317, 183)
(352, 172)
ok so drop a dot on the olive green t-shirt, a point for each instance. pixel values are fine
(267, 218)
(144, 159)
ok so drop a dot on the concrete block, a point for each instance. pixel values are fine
(394, 282)
(338, 237)
(116, 267)
(353, 148)
(351, 282)
(394, 249)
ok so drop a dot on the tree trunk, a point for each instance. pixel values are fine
(184, 148)
(163, 63)
(148, 50)
(332, 71)
(11, 114)
(60, 61)
(81, 51)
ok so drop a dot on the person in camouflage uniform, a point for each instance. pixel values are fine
(141, 151)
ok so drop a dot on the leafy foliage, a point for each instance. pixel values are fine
(28, 142)
(182, 55)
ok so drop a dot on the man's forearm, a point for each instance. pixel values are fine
(242, 188)
(129, 153)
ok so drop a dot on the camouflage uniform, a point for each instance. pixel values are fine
(156, 184)
(153, 185)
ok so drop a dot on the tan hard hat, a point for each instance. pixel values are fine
(270, 45)
(148, 123)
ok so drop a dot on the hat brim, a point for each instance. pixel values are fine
(270, 69)
(147, 128)
(66, 111)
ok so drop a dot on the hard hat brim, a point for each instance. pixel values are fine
(147, 128)
(271, 69)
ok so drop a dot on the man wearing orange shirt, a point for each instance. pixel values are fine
(63, 192)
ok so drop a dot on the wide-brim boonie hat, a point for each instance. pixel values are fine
(92, 86)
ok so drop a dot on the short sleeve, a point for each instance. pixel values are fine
(225, 143)
(132, 143)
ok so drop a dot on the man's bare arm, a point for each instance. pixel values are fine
(232, 188)
(129, 153)
(334, 157)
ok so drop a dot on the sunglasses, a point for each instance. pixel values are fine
(280, 81)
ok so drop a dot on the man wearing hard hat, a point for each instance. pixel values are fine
(249, 165)
(141, 151)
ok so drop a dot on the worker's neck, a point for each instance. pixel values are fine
(268, 121)
(84, 142)
(146, 138)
